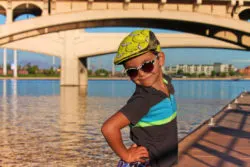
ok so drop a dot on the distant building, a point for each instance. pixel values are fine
(219, 67)
(10, 72)
(245, 71)
(200, 69)
(23, 72)
(171, 69)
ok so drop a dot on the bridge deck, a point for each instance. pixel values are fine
(226, 144)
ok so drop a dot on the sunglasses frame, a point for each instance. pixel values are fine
(140, 67)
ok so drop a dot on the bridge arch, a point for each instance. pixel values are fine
(200, 24)
(2, 10)
(26, 8)
(224, 33)
(245, 14)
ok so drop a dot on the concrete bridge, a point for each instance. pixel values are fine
(219, 23)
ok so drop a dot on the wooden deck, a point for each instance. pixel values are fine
(226, 144)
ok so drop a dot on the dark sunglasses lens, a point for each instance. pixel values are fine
(148, 67)
(132, 72)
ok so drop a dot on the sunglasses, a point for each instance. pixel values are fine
(147, 67)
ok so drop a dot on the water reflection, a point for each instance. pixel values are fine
(73, 107)
(55, 130)
(13, 106)
(81, 118)
(185, 89)
(46, 128)
(210, 89)
(3, 116)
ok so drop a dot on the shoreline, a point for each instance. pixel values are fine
(114, 78)
(29, 78)
(117, 78)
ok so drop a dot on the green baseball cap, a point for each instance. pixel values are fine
(135, 44)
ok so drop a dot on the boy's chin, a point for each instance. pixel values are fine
(147, 80)
(145, 83)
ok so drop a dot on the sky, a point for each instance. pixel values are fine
(239, 59)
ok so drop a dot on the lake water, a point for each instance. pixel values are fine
(43, 124)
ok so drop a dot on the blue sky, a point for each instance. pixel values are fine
(239, 59)
(44, 61)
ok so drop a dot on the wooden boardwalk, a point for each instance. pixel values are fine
(226, 144)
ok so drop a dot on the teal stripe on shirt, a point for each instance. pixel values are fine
(161, 113)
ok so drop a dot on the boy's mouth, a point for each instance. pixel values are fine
(145, 77)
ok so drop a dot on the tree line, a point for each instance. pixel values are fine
(34, 70)
(180, 72)
(105, 73)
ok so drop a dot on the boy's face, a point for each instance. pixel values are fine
(142, 77)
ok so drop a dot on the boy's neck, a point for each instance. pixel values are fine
(160, 85)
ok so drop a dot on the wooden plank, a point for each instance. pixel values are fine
(227, 144)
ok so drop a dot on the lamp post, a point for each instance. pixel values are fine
(53, 63)
(14, 68)
(5, 61)
(113, 67)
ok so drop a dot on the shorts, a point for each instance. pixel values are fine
(122, 163)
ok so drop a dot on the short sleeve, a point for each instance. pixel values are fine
(136, 108)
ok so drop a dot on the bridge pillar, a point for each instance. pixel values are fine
(9, 16)
(4, 61)
(73, 69)
(45, 11)
(83, 72)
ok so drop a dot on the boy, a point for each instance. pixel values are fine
(150, 112)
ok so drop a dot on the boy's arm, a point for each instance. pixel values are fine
(111, 130)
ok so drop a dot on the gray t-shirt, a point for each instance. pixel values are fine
(153, 124)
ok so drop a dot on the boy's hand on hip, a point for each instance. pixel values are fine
(136, 154)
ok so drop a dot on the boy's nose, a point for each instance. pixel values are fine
(140, 72)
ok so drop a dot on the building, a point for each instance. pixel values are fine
(200, 69)
(245, 71)
(23, 72)
(10, 72)
(171, 69)
(219, 67)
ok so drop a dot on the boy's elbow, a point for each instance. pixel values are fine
(103, 129)
(106, 129)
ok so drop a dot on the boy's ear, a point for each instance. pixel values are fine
(161, 58)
